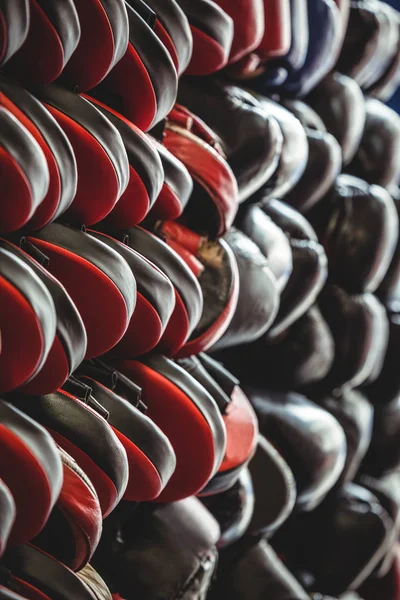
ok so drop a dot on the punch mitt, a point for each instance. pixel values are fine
(324, 164)
(352, 215)
(276, 70)
(386, 386)
(355, 414)
(339, 101)
(277, 36)
(167, 549)
(155, 301)
(237, 414)
(274, 489)
(102, 162)
(23, 171)
(212, 31)
(173, 29)
(213, 203)
(53, 35)
(251, 570)
(102, 44)
(90, 269)
(301, 356)
(54, 143)
(271, 240)
(188, 296)
(151, 459)
(70, 342)
(76, 519)
(361, 41)
(8, 514)
(250, 136)
(28, 451)
(79, 426)
(248, 20)
(377, 158)
(15, 18)
(340, 542)
(26, 305)
(307, 437)
(360, 331)
(176, 189)
(32, 569)
(187, 414)
(258, 300)
(146, 65)
(214, 264)
(324, 45)
(232, 509)
(294, 155)
(146, 173)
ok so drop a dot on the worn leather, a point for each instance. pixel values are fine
(167, 550)
(258, 301)
(377, 158)
(341, 221)
(339, 101)
(308, 438)
(250, 135)
(95, 583)
(248, 20)
(341, 542)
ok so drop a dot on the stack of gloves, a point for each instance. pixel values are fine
(199, 300)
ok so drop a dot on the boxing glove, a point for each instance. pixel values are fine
(289, 220)
(258, 300)
(271, 240)
(277, 37)
(24, 173)
(167, 549)
(8, 514)
(360, 331)
(15, 18)
(90, 269)
(53, 36)
(377, 157)
(340, 542)
(28, 306)
(307, 116)
(308, 438)
(383, 453)
(274, 488)
(342, 220)
(294, 155)
(339, 101)
(54, 143)
(250, 135)
(386, 86)
(355, 414)
(302, 356)
(387, 586)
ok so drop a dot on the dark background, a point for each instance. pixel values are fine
(395, 102)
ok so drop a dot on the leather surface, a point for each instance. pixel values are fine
(14, 29)
(309, 439)
(258, 297)
(341, 221)
(248, 19)
(251, 138)
(8, 514)
(95, 583)
(339, 101)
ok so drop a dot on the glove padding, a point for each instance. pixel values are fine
(308, 438)
(346, 221)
